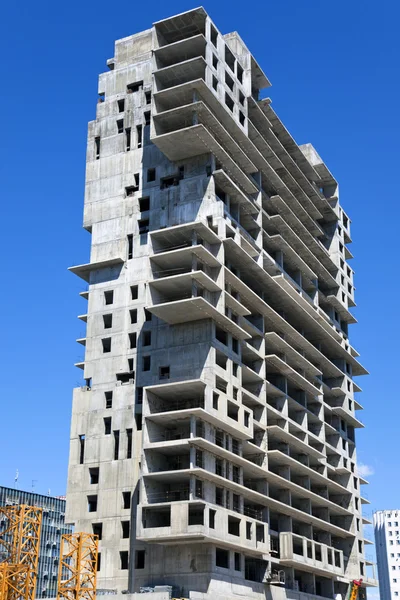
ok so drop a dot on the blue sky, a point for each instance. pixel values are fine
(334, 70)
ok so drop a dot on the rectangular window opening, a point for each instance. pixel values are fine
(148, 97)
(107, 425)
(94, 475)
(128, 138)
(144, 226)
(139, 559)
(107, 321)
(132, 340)
(92, 503)
(120, 126)
(125, 526)
(116, 445)
(211, 518)
(106, 343)
(121, 105)
(151, 175)
(126, 500)
(144, 204)
(133, 316)
(213, 35)
(139, 135)
(147, 118)
(146, 339)
(98, 529)
(222, 558)
(134, 87)
(130, 246)
(239, 73)
(97, 147)
(134, 292)
(129, 443)
(81, 449)
(229, 102)
(109, 297)
(146, 363)
(164, 372)
(123, 555)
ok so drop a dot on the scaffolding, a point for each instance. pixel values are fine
(78, 567)
(20, 527)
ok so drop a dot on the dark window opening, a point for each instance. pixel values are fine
(221, 336)
(144, 225)
(144, 204)
(196, 515)
(107, 321)
(164, 373)
(130, 246)
(129, 443)
(235, 369)
(121, 105)
(230, 59)
(109, 297)
(229, 81)
(123, 555)
(198, 492)
(167, 182)
(229, 102)
(139, 559)
(134, 292)
(116, 445)
(148, 97)
(125, 528)
(213, 35)
(235, 345)
(241, 98)
(128, 138)
(130, 365)
(107, 425)
(146, 340)
(126, 499)
(233, 526)
(233, 411)
(242, 118)
(222, 558)
(134, 87)
(120, 126)
(81, 449)
(132, 340)
(239, 73)
(214, 61)
(97, 146)
(211, 518)
(238, 561)
(138, 421)
(147, 315)
(94, 475)
(139, 395)
(98, 561)
(92, 503)
(133, 315)
(215, 401)
(146, 363)
(106, 343)
(139, 135)
(151, 175)
(248, 530)
(98, 529)
(246, 419)
(215, 83)
(147, 118)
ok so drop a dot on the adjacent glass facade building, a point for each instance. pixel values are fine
(53, 526)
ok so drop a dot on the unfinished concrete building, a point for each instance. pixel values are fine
(213, 446)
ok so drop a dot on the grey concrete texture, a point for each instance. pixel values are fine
(213, 445)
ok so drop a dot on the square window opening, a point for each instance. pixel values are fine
(109, 297)
(106, 343)
(151, 175)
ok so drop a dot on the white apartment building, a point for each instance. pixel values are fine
(387, 543)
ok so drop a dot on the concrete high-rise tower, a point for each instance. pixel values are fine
(387, 541)
(213, 446)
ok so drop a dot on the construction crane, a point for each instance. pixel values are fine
(77, 571)
(19, 551)
(355, 588)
